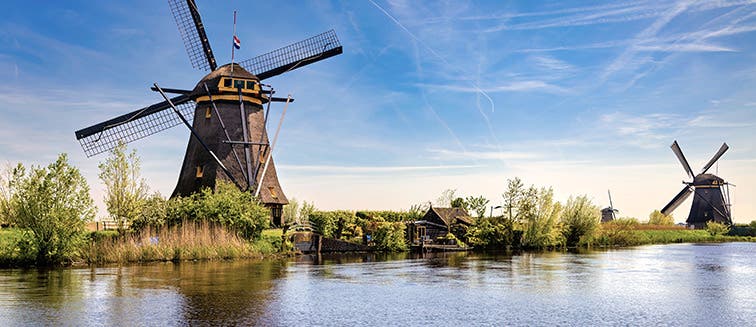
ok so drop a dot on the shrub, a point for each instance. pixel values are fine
(541, 217)
(53, 204)
(714, 228)
(153, 213)
(492, 234)
(618, 232)
(658, 218)
(581, 220)
(389, 236)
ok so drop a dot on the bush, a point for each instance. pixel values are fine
(581, 220)
(227, 206)
(714, 228)
(389, 236)
(658, 218)
(618, 232)
(541, 217)
(54, 205)
(493, 234)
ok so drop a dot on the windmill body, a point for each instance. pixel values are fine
(224, 112)
(199, 169)
(710, 193)
(609, 213)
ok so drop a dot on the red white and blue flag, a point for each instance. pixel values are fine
(237, 42)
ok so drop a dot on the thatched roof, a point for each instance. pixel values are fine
(452, 215)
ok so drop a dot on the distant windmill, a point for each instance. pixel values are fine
(711, 200)
(224, 113)
(609, 214)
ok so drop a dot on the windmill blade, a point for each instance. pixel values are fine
(676, 149)
(610, 199)
(677, 200)
(135, 125)
(193, 34)
(294, 56)
(716, 157)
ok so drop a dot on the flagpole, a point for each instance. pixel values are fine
(233, 46)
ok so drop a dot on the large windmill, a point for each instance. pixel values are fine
(711, 200)
(224, 112)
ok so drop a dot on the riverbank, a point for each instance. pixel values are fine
(186, 242)
(191, 242)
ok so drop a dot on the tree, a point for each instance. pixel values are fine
(581, 219)
(658, 218)
(6, 178)
(512, 198)
(459, 203)
(446, 198)
(125, 190)
(53, 203)
(291, 212)
(478, 204)
(541, 216)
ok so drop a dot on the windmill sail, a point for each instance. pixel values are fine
(294, 56)
(132, 126)
(193, 34)
(677, 200)
(678, 152)
(716, 157)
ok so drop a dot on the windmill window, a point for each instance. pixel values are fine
(227, 82)
(251, 85)
(238, 84)
(272, 192)
(200, 171)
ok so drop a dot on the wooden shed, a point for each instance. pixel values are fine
(436, 223)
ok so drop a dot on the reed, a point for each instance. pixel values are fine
(186, 241)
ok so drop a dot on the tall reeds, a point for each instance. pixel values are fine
(187, 241)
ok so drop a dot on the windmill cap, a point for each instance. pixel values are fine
(214, 77)
(707, 179)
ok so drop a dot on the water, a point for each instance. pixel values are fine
(679, 285)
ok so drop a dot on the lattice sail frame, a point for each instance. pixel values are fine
(293, 56)
(134, 127)
(191, 35)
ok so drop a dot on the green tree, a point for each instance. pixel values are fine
(477, 204)
(6, 180)
(541, 216)
(512, 197)
(125, 190)
(390, 236)
(459, 203)
(658, 218)
(291, 212)
(581, 219)
(54, 204)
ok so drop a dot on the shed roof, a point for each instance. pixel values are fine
(452, 215)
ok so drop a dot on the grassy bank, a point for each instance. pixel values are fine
(645, 235)
(188, 241)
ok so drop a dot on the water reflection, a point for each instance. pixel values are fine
(680, 284)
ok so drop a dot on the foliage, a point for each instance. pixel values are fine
(392, 216)
(125, 190)
(6, 180)
(541, 217)
(417, 211)
(581, 220)
(306, 210)
(227, 206)
(714, 228)
(53, 204)
(477, 204)
(446, 198)
(459, 203)
(658, 218)
(291, 212)
(618, 232)
(389, 236)
(332, 223)
(154, 212)
(492, 233)
(514, 194)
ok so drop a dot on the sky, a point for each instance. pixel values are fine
(582, 96)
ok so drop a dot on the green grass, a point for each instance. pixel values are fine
(641, 237)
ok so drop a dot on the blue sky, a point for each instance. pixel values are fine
(583, 96)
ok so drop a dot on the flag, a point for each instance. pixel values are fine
(237, 42)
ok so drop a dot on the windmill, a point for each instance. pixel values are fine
(609, 213)
(711, 194)
(224, 113)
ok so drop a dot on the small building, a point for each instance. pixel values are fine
(437, 223)
(608, 214)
